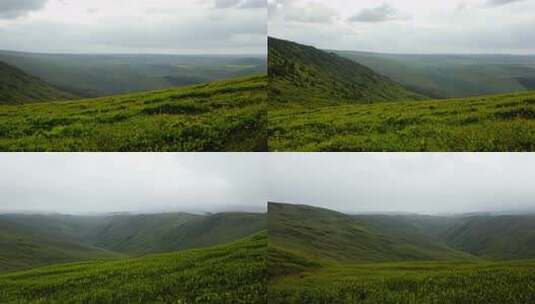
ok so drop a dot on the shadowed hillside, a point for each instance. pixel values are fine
(18, 87)
(304, 74)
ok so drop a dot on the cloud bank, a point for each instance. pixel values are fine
(143, 26)
(407, 26)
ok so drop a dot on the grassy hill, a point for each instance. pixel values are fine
(326, 235)
(306, 75)
(448, 76)
(410, 283)
(487, 123)
(103, 75)
(143, 234)
(232, 273)
(321, 256)
(227, 115)
(18, 87)
(23, 247)
(503, 237)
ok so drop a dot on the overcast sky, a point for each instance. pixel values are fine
(408, 26)
(134, 26)
(122, 182)
(352, 182)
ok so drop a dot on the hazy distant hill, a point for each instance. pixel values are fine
(304, 74)
(495, 237)
(102, 75)
(142, 234)
(445, 76)
(18, 87)
(319, 256)
(323, 233)
(24, 247)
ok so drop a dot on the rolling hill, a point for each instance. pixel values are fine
(100, 75)
(142, 234)
(17, 87)
(231, 273)
(321, 234)
(23, 247)
(306, 75)
(319, 256)
(449, 76)
(227, 115)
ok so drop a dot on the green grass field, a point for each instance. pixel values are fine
(227, 115)
(233, 273)
(487, 123)
(410, 283)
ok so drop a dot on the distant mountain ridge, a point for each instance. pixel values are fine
(299, 73)
(452, 76)
(18, 87)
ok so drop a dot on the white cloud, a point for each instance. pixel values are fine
(412, 26)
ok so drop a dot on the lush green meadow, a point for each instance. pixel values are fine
(410, 283)
(487, 123)
(233, 273)
(227, 115)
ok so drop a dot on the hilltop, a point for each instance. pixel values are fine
(17, 87)
(306, 75)
(227, 115)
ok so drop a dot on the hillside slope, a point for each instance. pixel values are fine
(304, 74)
(504, 237)
(232, 273)
(227, 115)
(328, 235)
(498, 123)
(22, 247)
(449, 76)
(18, 87)
(146, 233)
